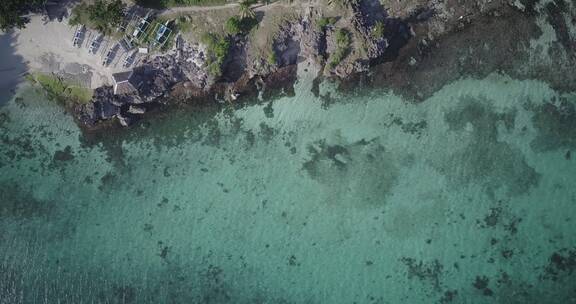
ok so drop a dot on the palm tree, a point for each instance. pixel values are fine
(342, 3)
(245, 10)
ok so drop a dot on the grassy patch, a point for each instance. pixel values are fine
(184, 24)
(272, 59)
(192, 25)
(61, 90)
(379, 30)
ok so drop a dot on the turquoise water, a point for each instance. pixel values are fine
(467, 197)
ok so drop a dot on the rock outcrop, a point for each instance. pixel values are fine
(182, 73)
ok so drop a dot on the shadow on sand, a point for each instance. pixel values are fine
(12, 67)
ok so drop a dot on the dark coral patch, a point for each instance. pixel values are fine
(561, 264)
(21, 204)
(485, 158)
(63, 155)
(363, 170)
(430, 272)
(481, 283)
(555, 122)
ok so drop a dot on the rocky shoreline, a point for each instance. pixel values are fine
(422, 49)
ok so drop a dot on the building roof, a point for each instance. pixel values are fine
(121, 77)
(123, 83)
(123, 88)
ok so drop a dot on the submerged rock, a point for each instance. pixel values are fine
(124, 120)
(106, 109)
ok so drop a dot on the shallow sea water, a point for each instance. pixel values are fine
(467, 197)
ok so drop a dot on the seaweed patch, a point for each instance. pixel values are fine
(429, 272)
(21, 204)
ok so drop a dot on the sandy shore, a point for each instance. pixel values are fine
(47, 47)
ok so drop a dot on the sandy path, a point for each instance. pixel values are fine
(257, 8)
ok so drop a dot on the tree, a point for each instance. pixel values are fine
(236, 25)
(11, 12)
(245, 10)
(100, 15)
(342, 3)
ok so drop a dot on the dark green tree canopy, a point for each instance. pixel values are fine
(101, 15)
(105, 15)
(11, 12)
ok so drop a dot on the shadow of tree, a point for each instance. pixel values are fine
(12, 67)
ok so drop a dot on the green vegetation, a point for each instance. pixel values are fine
(103, 16)
(62, 90)
(326, 21)
(342, 3)
(245, 9)
(343, 47)
(218, 48)
(272, 58)
(244, 22)
(237, 25)
(184, 24)
(11, 12)
(379, 30)
(233, 25)
(342, 37)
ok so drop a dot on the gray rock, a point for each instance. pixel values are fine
(86, 114)
(136, 109)
(117, 102)
(106, 110)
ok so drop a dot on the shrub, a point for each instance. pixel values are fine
(233, 26)
(342, 38)
(379, 30)
(236, 25)
(272, 58)
(325, 21)
(337, 57)
(217, 49)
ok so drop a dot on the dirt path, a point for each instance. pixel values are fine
(257, 8)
